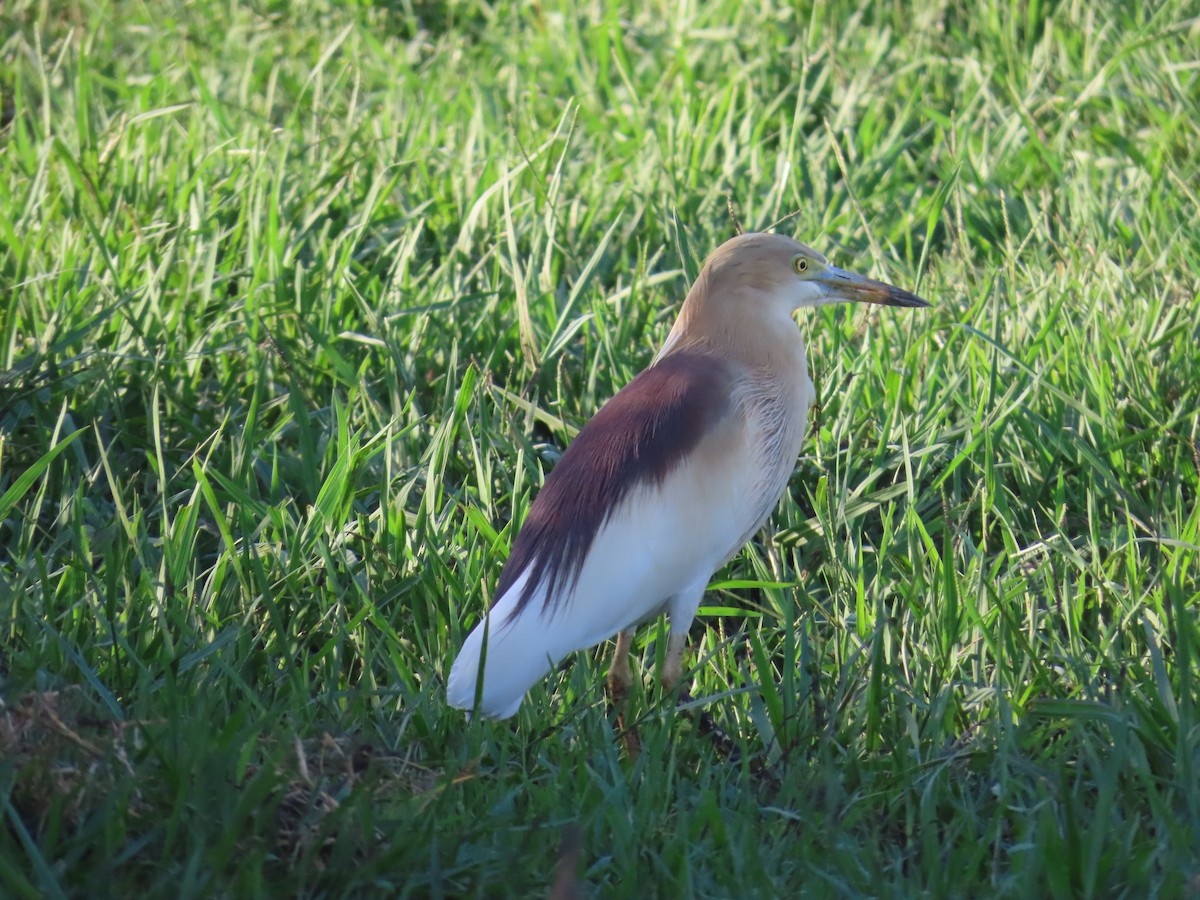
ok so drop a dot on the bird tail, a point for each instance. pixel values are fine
(515, 660)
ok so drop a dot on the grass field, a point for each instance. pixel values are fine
(299, 301)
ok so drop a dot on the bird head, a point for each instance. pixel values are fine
(793, 274)
(752, 284)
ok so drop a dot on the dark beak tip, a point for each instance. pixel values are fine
(909, 301)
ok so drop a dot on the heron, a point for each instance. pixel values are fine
(667, 481)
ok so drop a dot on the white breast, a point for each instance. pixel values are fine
(777, 417)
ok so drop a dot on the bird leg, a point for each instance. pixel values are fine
(620, 680)
(620, 675)
(673, 664)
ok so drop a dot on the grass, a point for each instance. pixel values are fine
(299, 300)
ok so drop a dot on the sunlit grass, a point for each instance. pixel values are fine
(300, 301)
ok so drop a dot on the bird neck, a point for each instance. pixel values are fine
(753, 333)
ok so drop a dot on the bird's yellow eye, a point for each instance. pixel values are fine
(800, 264)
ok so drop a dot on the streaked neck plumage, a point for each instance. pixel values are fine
(742, 314)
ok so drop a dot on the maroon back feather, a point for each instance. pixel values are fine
(639, 436)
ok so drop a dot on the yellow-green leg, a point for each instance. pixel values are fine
(673, 664)
(620, 680)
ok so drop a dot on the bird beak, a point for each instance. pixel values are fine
(848, 286)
